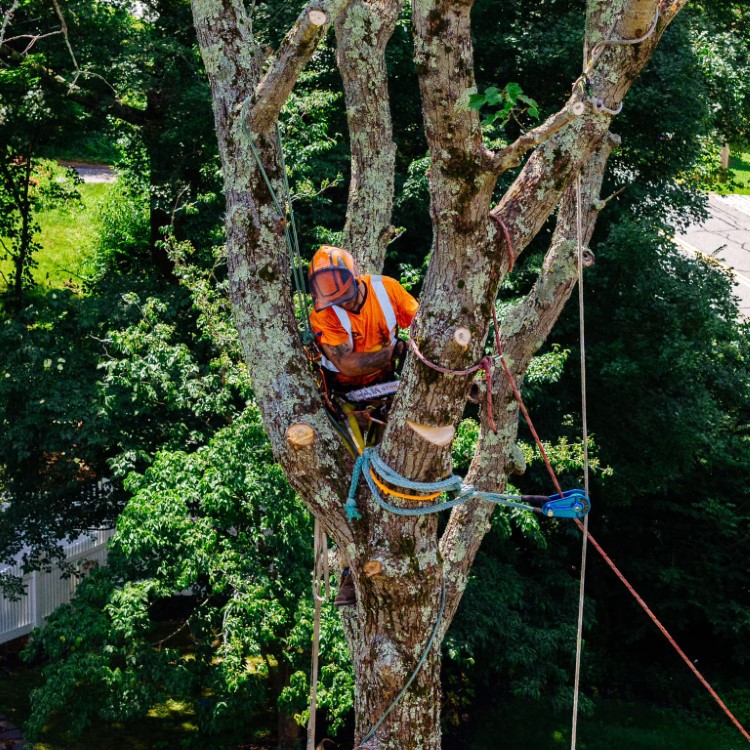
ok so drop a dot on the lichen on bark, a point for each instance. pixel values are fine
(398, 608)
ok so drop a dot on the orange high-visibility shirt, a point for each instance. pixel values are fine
(369, 328)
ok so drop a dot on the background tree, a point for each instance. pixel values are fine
(27, 183)
(396, 610)
(147, 76)
(222, 526)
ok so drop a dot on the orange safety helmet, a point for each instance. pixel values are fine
(333, 277)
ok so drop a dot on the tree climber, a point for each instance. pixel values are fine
(355, 320)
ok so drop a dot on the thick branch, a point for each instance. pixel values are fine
(629, 41)
(444, 57)
(259, 271)
(469, 251)
(289, 61)
(510, 157)
(611, 73)
(362, 34)
(523, 332)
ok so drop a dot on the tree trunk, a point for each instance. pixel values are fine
(396, 635)
(24, 249)
(393, 642)
(287, 729)
(411, 602)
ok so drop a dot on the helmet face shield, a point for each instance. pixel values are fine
(332, 286)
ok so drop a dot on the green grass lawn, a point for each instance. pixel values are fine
(739, 164)
(67, 237)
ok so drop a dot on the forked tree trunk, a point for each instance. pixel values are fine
(397, 610)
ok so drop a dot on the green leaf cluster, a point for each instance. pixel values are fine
(510, 102)
(206, 598)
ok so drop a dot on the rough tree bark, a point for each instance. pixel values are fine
(397, 609)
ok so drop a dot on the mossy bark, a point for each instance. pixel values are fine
(362, 33)
(397, 609)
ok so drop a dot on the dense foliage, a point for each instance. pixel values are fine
(138, 377)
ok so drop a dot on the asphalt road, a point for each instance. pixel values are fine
(726, 237)
(92, 172)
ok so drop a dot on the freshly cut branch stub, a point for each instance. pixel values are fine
(300, 435)
(317, 17)
(462, 336)
(372, 568)
(441, 435)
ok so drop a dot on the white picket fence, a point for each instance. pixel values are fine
(45, 591)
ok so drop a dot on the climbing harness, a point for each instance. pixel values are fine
(370, 392)
(570, 504)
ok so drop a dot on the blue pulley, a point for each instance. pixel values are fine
(571, 504)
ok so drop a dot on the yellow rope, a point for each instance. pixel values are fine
(359, 443)
(418, 498)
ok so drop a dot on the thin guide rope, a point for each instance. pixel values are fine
(321, 591)
(585, 438)
(664, 632)
(284, 211)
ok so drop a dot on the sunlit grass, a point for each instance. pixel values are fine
(67, 237)
(739, 165)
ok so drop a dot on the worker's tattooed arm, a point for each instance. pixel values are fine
(351, 363)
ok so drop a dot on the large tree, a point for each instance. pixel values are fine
(470, 255)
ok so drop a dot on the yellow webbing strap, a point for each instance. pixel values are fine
(403, 496)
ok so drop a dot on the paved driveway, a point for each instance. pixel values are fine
(92, 172)
(726, 237)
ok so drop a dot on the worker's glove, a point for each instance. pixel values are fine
(398, 355)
